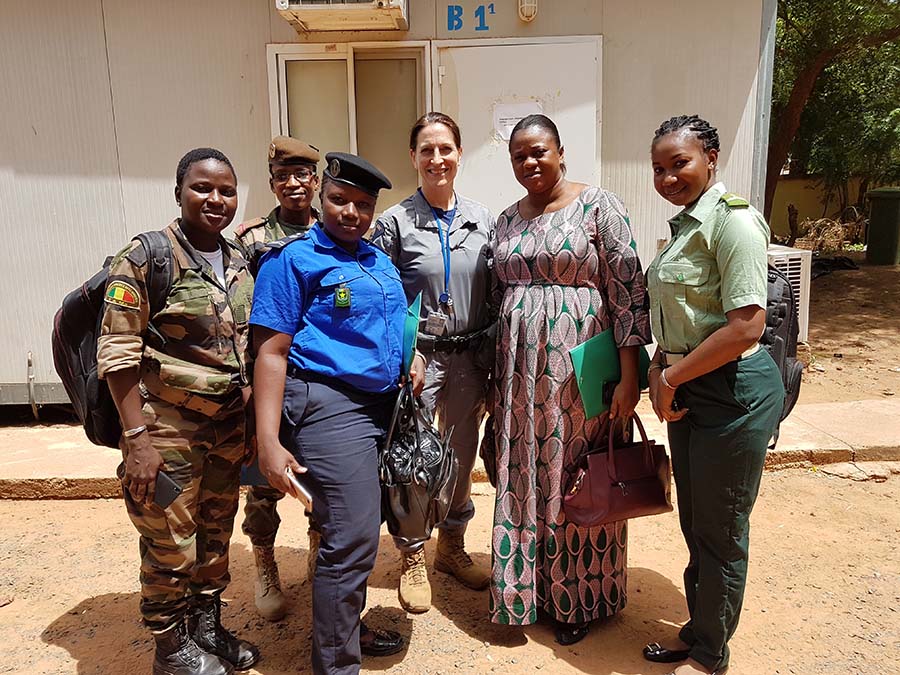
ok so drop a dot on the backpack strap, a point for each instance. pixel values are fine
(733, 201)
(159, 274)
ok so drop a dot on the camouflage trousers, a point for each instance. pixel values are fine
(184, 548)
(261, 519)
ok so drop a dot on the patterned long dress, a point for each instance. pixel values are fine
(565, 276)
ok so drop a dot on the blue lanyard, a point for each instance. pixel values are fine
(445, 246)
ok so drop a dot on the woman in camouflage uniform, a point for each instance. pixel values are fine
(180, 382)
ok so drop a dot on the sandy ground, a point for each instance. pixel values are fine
(854, 336)
(823, 595)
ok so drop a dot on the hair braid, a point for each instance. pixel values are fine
(705, 132)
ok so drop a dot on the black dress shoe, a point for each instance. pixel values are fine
(382, 642)
(654, 652)
(569, 633)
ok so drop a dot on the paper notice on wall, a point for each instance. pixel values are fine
(507, 115)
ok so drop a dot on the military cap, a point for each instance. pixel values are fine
(287, 150)
(353, 170)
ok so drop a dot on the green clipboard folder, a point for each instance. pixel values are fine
(411, 332)
(596, 365)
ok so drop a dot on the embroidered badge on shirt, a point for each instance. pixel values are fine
(123, 294)
(342, 297)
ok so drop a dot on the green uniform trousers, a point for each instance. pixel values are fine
(184, 548)
(718, 452)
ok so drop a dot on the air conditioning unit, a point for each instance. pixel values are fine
(344, 15)
(796, 264)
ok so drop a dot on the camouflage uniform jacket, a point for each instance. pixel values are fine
(199, 341)
(254, 236)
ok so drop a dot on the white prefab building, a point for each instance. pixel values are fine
(100, 98)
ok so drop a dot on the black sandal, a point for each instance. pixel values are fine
(569, 633)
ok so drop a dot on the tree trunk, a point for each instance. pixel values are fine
(788, 122)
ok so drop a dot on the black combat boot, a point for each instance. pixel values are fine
(178, 654)
(205, 624)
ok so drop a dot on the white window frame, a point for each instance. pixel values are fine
(278, 55)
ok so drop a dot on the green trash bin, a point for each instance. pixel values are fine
(883, 236)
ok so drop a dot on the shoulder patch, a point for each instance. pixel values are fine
(122, 294)
(248, 225)
(733, 201)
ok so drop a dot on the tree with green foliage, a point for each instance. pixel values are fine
(838, 36)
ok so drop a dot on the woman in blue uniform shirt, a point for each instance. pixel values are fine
(328, 315)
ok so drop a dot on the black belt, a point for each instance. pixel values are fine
(452, 343)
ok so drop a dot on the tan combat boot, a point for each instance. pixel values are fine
(452, 559)
(314, 538)
(270, 601)
(414, 590)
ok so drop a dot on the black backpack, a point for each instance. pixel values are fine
(76, 328)
(780, 337)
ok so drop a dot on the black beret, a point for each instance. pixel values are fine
(354, 170)
(287, 150)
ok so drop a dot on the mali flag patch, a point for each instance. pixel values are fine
(122, 294)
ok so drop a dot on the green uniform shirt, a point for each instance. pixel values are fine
(715, 262)
(254, 236)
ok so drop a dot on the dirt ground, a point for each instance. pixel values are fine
(823, 594)
(854, 336)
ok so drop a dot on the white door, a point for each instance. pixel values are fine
(476, 83)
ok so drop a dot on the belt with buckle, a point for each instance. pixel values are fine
(671, 358)
(452, 343)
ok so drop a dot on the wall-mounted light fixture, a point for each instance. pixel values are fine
(527, 10)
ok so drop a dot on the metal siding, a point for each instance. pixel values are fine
(185, 75)
(60, 201)
(665, 59)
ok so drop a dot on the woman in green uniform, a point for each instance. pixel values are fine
(719, 392)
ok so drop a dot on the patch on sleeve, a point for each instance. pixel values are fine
(123, 294)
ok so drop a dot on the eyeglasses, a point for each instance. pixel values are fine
(303, 175)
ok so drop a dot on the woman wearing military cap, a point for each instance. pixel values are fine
(293, 180)
(440, 241)
(719, 392)
(177, 378)
(328, 317)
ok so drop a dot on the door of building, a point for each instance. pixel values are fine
(360, 98)
(485, 84)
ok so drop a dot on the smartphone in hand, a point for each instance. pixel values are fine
(301, 492)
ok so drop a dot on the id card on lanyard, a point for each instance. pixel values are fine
(437, 321)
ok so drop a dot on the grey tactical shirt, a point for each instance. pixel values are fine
(408, 234)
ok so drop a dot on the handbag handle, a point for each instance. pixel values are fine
(398, 406)
(648, 455)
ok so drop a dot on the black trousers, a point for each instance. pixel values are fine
(718, 452)
(335, 432)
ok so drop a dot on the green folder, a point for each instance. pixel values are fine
(596, 363)
(411, 332)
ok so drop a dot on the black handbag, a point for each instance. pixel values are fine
(417, 469)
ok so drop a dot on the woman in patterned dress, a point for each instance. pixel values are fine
(567, 269)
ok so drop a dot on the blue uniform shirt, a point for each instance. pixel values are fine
(302, 290)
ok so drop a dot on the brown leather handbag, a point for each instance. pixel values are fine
(628, 480)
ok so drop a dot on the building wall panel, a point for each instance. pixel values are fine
(60, 199)
(665, 59)
(185, 75)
